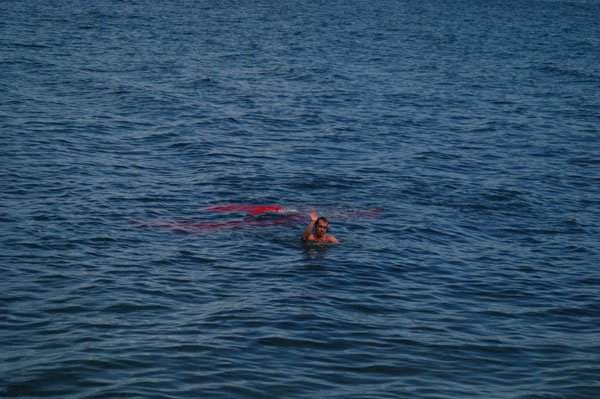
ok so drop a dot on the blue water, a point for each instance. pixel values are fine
(474, 126)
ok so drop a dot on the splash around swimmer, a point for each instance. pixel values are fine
(319, 225)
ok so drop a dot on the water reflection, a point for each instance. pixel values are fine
(314, 250)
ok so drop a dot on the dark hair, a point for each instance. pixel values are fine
(322, 219)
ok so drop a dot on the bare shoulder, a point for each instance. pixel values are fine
(332, 240)
(311, 237)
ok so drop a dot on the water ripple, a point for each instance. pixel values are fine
(451, 146)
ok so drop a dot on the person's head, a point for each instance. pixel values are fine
(321, 226)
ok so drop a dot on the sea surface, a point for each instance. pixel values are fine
(453, 145)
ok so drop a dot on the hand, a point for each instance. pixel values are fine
(313, 216)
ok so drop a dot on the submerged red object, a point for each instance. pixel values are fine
(251, 209)
(282, 216)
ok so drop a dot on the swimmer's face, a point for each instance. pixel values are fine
(321, 228)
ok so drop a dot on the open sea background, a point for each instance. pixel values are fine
(474, 126)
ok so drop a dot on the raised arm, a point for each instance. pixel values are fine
(311, 225)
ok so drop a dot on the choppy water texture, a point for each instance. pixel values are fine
(472, 125)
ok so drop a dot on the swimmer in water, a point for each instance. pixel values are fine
(320, 224)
